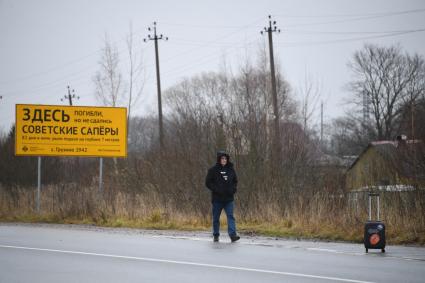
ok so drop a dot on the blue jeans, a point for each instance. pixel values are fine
(217, 207)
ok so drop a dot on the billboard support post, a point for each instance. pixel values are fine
(100, 175)
(38, 184)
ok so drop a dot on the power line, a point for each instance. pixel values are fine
(350, 32)
(287, 44)
(202, 26)
(63, 65)
(49, 70)
(208, 43)
(203, 43)
(294, 44)
(51, 84)
(360, 18)
(81, 73)
(178, 55)
(392, 13)
(84, 78)
(202, 61)
(357, 18)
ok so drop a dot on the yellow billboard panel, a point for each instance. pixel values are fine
(55, 130)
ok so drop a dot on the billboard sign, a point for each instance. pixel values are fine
(55, 130)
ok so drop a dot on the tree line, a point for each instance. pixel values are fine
(232, 110)
(223, 110)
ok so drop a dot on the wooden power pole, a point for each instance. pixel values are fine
(270, 30)
(155, 37)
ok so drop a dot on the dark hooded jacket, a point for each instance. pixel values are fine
(222, 180)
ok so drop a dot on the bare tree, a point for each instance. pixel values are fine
(386, 78)
(411, 120)
(347, 136)
(310, 93)
(135, 72)
(108, 80)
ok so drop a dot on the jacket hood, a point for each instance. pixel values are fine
(222, 153)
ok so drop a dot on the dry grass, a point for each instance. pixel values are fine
(318, 216)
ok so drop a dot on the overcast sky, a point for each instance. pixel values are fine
(46, 45)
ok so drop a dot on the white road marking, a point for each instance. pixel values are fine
(322, 250)
(190, 263)
(365, 254)
(335, 251)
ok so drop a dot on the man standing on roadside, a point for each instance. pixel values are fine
(222, 181)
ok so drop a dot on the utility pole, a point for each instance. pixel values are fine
(155, 37)
(269, 30)
(412, 110)
(70, 95)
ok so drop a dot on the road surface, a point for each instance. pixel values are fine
(73, 253)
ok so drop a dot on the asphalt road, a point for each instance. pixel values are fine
(61, 253)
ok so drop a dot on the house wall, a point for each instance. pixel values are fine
(371, 170)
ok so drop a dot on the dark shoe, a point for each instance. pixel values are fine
(234, 238)
(215, 238)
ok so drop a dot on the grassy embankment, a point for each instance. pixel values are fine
(282, 229)
(320, 219)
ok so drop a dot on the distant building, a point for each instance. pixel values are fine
(388, 166)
